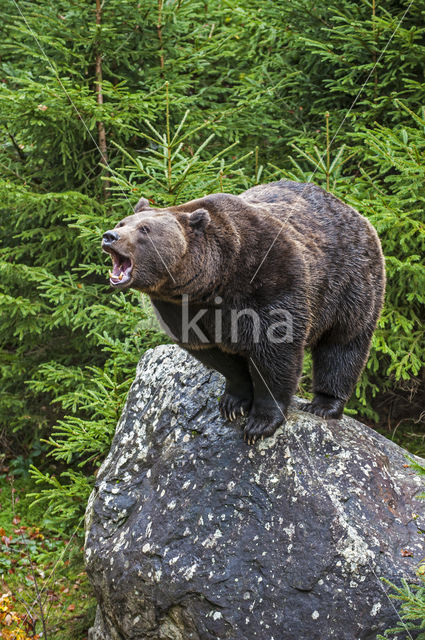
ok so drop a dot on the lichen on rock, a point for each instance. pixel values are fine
(193, 535)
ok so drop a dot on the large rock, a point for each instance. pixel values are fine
(192, 534)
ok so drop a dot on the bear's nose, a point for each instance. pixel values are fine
(110, 236)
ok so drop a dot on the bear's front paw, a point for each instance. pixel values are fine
(231, 406)
(263, 423)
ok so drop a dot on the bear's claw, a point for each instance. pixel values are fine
(260, 427)
(232, 406)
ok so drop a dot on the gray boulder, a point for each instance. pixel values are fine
(193, 535)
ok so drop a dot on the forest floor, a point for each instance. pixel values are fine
(44, 590)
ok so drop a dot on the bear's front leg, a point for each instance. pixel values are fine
(237, 397)
(275, 374)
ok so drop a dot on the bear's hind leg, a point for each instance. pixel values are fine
(325, 406)
(336, 369)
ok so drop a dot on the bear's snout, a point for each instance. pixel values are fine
(110, 237)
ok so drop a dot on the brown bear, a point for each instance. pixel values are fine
(245, 283)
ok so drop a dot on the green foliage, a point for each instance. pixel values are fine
(170, 172)
(412, 613)
(196, 97)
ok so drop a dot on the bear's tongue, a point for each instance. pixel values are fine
(121, 268)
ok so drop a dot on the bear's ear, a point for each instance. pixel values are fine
(141, 205)
(199, 219)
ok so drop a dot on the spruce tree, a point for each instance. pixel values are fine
(102, 103)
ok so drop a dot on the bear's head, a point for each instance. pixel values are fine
(153, 248)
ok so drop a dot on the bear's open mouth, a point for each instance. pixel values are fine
(121, 269)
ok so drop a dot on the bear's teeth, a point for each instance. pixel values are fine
(120, 276)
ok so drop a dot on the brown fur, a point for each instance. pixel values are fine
(323, 264)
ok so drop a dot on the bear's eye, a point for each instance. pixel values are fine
(120, 224)
(144, 229)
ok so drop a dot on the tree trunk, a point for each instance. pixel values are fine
(99, 96)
